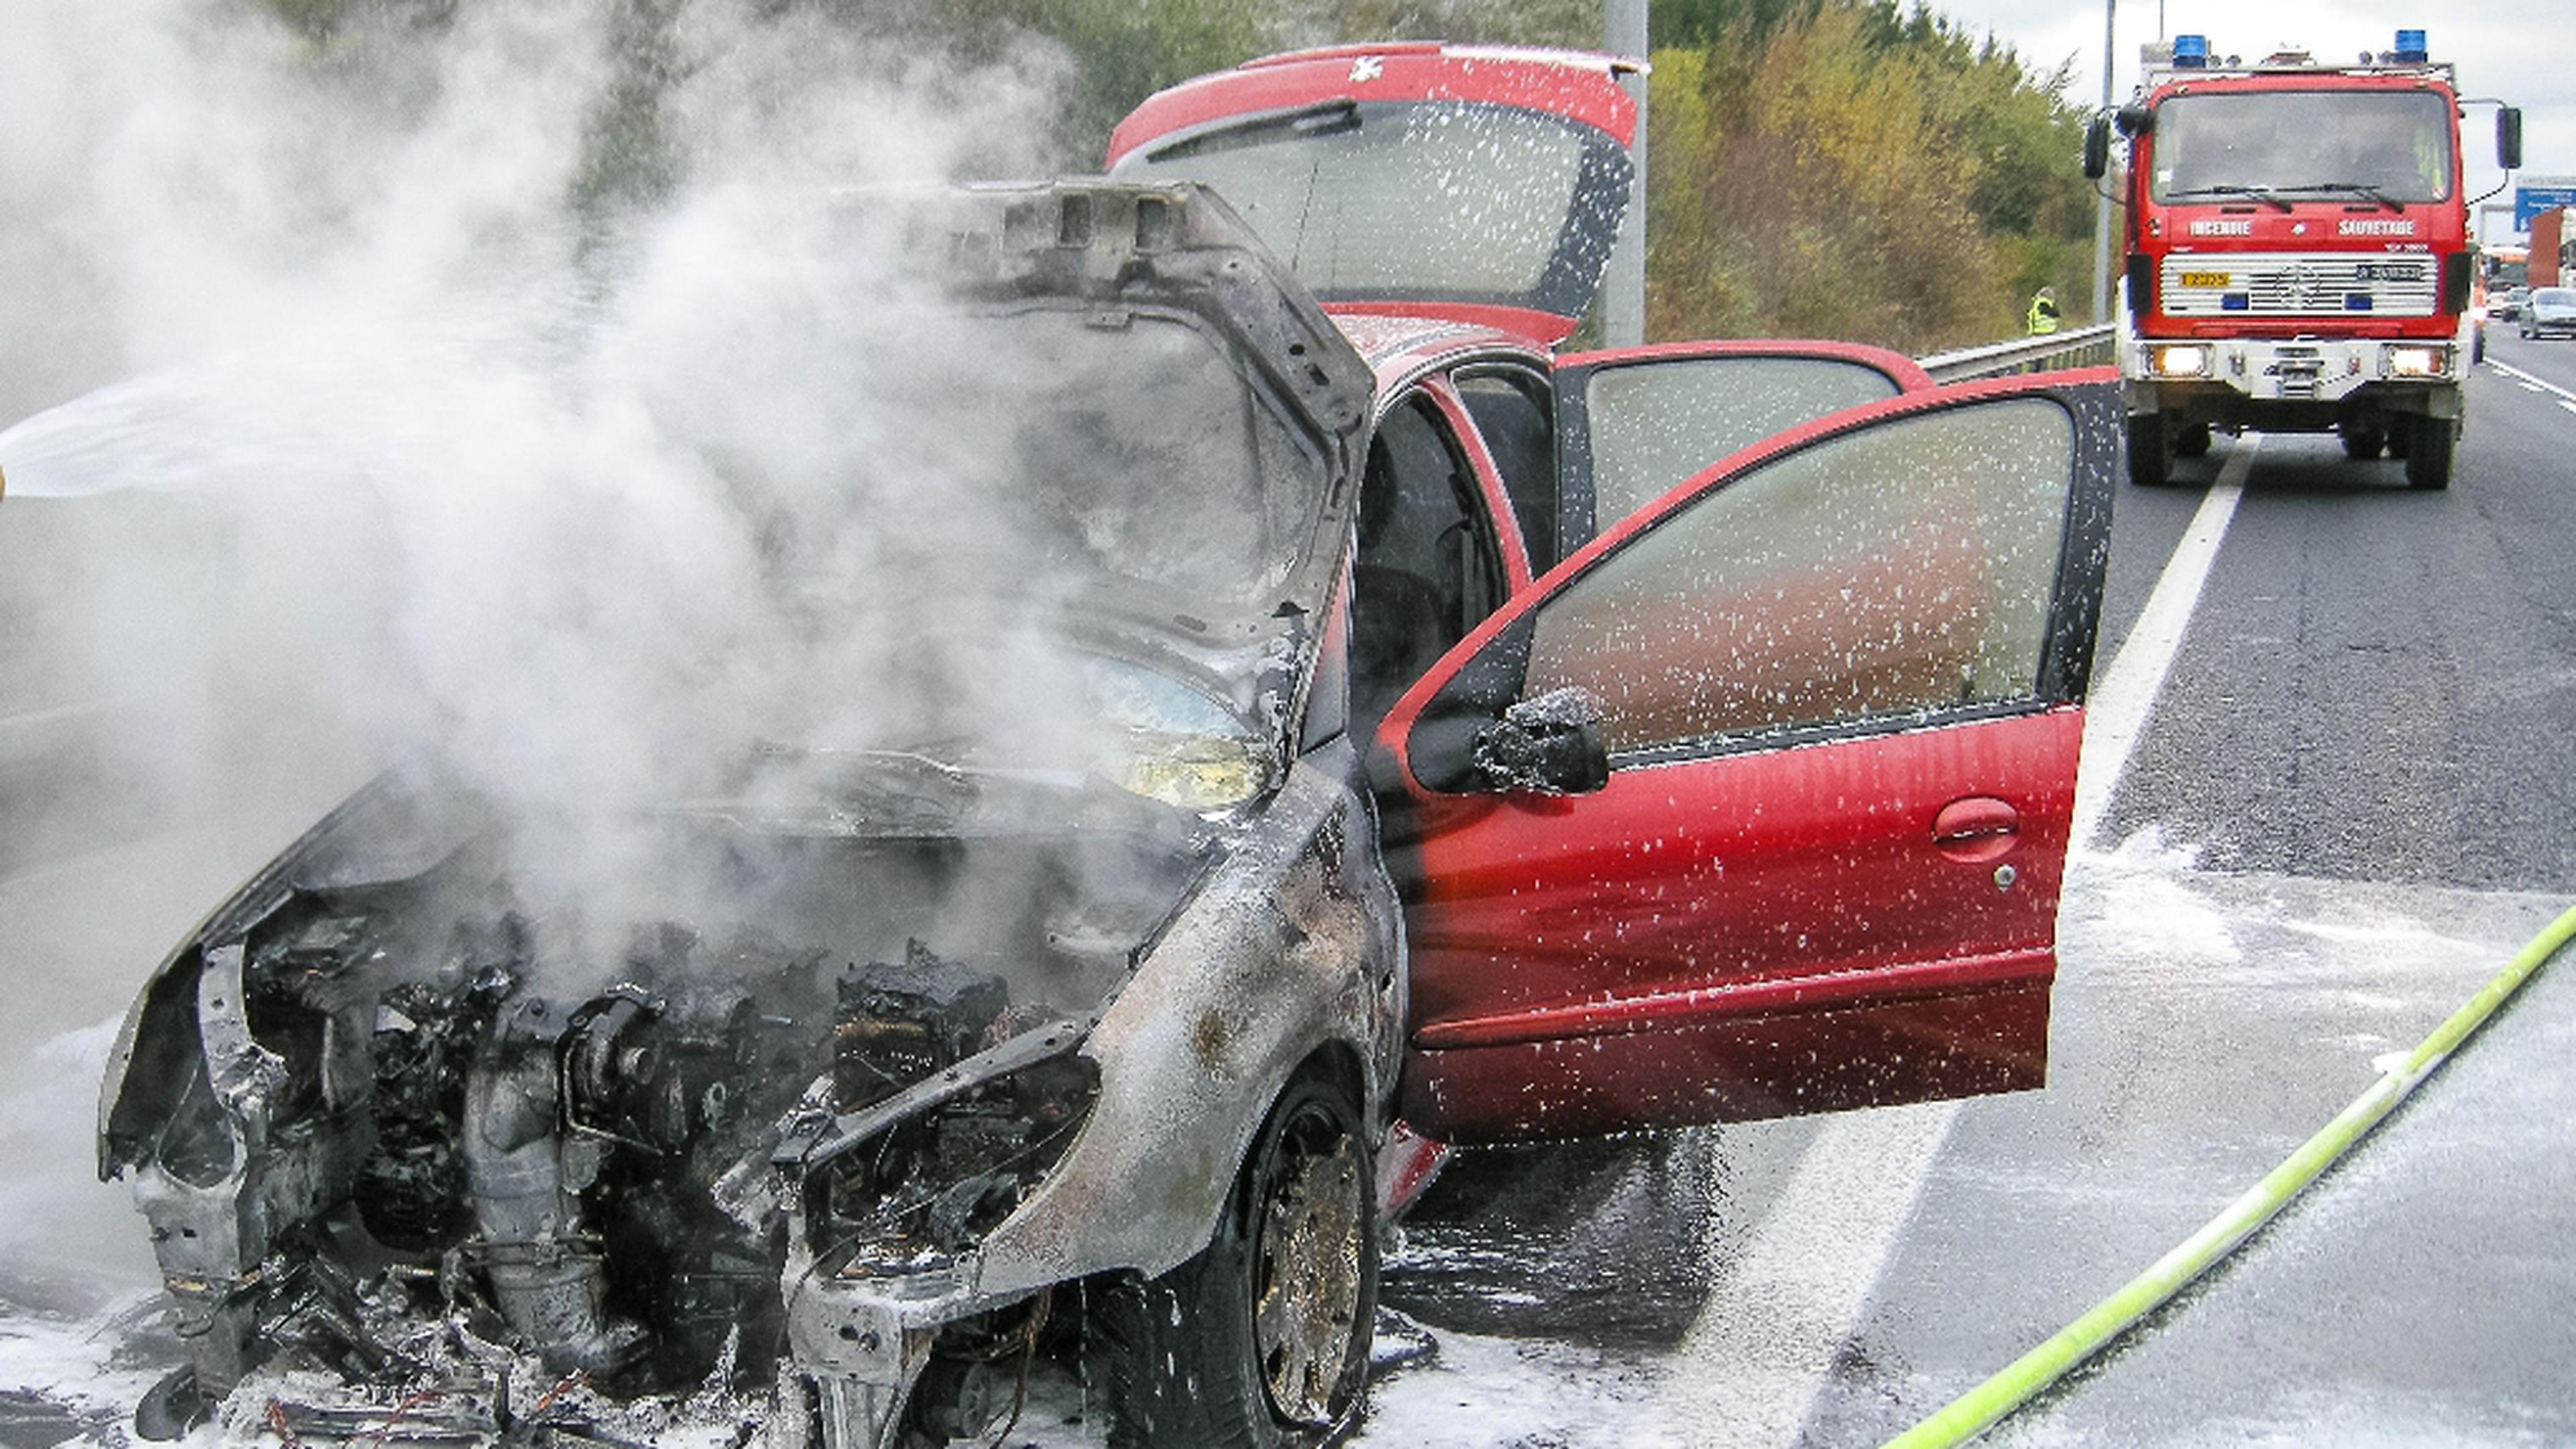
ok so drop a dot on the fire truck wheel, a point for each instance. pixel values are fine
(2362, 441)
(2150, 451)
(2191, 441)
(2428, 454)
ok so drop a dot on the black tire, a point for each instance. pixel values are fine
(2191, 440)
(1262, 1340)
(2428, 453)
(2150, 451)
(2362, 444)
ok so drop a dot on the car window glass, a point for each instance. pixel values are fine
(1426, 570)
(1511, 412)
(1392, 199)
(1653, 426)
(1894, 571)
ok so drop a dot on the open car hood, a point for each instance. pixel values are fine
(1474, 183)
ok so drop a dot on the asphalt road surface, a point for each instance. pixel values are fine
(2348, 800)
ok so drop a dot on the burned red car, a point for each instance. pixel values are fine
(1481, 745)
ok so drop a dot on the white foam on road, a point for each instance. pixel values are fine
(1783, 1307)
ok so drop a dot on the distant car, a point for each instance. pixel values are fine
(2550, 312)
(2509, 304)
(1492, 746)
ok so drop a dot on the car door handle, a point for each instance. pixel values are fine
(1977, 829)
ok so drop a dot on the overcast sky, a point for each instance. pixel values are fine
(2518, 50)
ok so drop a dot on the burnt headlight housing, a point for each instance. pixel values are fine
(934, 1185)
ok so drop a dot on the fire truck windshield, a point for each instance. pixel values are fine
(2387, 148)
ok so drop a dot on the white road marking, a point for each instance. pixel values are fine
(2570, 406)
(1781, 1309)
(1763, 1348)
(2531, 383)
(2125, 692)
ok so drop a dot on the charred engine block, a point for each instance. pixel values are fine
(595, 1179)
(530, 1147)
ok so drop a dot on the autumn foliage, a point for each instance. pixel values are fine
(1847, 172)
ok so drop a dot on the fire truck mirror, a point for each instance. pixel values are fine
(2097, 148)
(2136, 121)
(2508, 137)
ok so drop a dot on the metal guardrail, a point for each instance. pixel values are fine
(2078, 347)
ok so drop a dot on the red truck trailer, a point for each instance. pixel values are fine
(2298, 253)
(2548, 236)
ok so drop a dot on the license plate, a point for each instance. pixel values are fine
(2389, 272)
(2205, 279)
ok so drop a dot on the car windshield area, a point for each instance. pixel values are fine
(2393, 147)
(1118, 446)
(1420, 200)
(2554, 297)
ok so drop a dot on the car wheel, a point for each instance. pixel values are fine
(2428, 454)
(2362, 441)
(2150, 451)
(1262, 1340)
(2191, 440)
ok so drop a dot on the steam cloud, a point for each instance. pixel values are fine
(464, 376)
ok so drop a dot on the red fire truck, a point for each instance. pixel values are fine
(2298, 253)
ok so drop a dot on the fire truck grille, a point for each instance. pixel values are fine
(2299, 284)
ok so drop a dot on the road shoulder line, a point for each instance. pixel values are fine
(2117, 712)
(2529, 381)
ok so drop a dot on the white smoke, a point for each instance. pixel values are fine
(464, 372)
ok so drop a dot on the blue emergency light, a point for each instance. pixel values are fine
(2410, 48)
(2191, 52)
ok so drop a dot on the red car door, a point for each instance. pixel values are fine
(1837, 684)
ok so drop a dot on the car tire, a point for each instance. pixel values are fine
(2428, 452)
(2150, 451)
(1262, 1340)
(2191, 440)
(2363, 443)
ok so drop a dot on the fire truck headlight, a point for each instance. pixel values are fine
(2415, 361)
(2187, 361)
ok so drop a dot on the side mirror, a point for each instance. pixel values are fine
(2509, 138)
(2135, 121)
(1550, 745)
(2097, 148)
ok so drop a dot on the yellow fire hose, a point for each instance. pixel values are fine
(1979, 1409)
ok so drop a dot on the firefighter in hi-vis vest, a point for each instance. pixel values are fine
(2043, 312)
